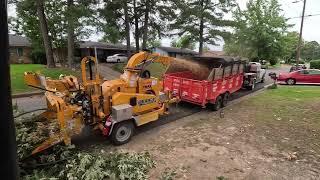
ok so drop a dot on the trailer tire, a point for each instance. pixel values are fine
(225, 99)
(122, 132)
(218, 104)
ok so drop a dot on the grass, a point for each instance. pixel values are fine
(287, 112)
(156, 69)
(287, 101)
(17, 71)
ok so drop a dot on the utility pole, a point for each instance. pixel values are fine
(8, 153)
(301, 31)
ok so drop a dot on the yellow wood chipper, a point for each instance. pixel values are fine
(115, 107)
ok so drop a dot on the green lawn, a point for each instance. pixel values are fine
(288, 103)
(17, 71)
(156, 69)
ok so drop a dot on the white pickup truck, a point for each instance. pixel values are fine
(253, 74)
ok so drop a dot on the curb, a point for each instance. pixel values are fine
(21, 95)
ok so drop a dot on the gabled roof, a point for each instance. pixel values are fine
(213, 53)
(17, 40)
(178, 50)
(103, 45)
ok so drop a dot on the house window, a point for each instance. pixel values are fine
(20, 52)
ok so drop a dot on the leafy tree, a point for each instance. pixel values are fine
(310, 50)
(58, 16)
(147, 16)
(111, 21)
(44, 33)
(260, 31)
(154, 43)
(290, 42)
(70, 31)
(185, 41)
(202, 19)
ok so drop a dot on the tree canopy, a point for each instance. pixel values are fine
(260, 32)
(185, 41)
(202, 21)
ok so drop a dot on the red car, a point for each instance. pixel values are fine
(305, 76)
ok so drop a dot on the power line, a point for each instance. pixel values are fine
(310, 15)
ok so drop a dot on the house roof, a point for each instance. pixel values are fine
(103, 45)
(213, 53)
(16, 40)
(178, 50)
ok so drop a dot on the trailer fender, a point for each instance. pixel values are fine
(113, 123)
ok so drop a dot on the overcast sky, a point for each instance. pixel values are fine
(290, 9)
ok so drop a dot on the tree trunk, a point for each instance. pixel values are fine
(44, 33)
(201, 37)
(127, 27)
(70, 34)
(146, 25)
(201, 29)
(136, 26)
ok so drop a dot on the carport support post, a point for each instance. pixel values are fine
(8, 153)
(95, 53)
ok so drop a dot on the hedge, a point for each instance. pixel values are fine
(315, 64)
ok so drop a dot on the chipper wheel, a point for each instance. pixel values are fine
(122, 132)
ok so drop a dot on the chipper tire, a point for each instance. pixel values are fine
(218, 104)
(122, 132)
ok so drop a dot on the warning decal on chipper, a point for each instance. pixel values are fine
(146, 101)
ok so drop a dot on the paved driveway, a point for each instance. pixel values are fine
(107, 72)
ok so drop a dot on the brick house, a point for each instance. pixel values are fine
(89, 48)
(19, 49)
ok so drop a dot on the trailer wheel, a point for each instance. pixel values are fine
(122, 132)
(225, 99)
(217, 105)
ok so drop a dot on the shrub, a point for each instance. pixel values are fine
(315, 64)
(38, 57)
(273, 62)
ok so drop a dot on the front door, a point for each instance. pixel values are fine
(314, 76)
(303, 76)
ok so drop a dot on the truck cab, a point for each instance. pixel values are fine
(253, 74)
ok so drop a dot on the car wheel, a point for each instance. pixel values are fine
(118, 60)
(122, 132)
(217, 105)
(291, 81)
(225, 99)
